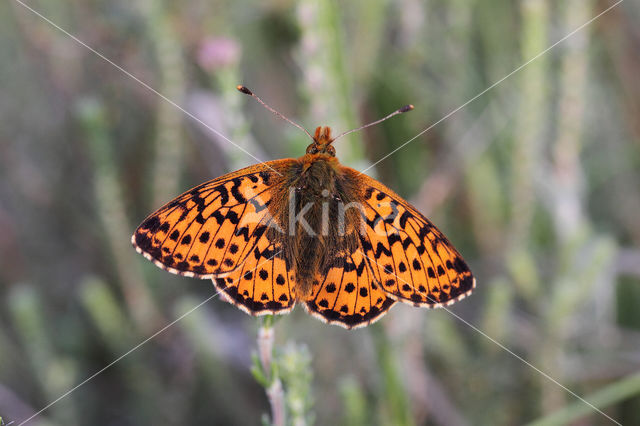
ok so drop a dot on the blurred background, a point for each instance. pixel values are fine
(536, 182)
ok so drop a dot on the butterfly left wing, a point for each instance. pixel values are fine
(261, 284)
(209, 230)
(348, 294)
(219, 230)
(412, 259)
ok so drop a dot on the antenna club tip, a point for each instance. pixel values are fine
(244, 90)
(406, 108)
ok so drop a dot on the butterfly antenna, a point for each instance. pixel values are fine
(246, 91)
(404, 109)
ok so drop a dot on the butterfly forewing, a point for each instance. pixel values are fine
(209, 230)
(410, 257)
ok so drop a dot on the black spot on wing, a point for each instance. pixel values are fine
(151, 223)
(381, 249)
(431, 273)
(266, 177)
(218, 216)
(143, 241)
(224, 194)
(232, 217)
(403, 219)
(244, 232)
(368, 193)
(393, 238)
(460, 266)
(235, 192)
(416, 265)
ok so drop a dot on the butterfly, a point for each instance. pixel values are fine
(309, 231)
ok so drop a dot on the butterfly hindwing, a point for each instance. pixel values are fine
(209, 230)
(348, 294)
(412, 259)
(261, 284)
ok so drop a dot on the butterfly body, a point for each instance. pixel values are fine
(317, 186)
(309, 231)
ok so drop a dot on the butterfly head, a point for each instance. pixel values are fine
(322, 142)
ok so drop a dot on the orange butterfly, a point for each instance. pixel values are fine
(306, 230)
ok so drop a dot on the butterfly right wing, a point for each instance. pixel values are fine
(412, 259)
(209, 230)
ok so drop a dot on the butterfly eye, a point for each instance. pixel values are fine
(311, 149)
(331, 150)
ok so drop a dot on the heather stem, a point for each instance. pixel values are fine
(267, 374)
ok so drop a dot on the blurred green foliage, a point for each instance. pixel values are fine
(537, 183)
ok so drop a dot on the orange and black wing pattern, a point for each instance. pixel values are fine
(348, 294)
(210, 230)
(262, 283)
(412, 259)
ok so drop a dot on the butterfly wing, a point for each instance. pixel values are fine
(261, 284)
(412, 259)
(348, 294)
(211, 229)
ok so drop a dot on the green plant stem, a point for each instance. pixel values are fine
(53, 372)
(268, 376)
(395, 394)
(294, 367)
(609, 395)
(111, 210)
(168, 144)
(322, 58)
(355, 402)
(528, 134)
